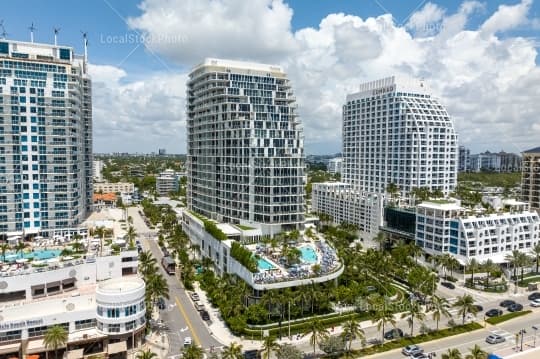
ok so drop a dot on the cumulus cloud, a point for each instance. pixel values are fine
(487, 78)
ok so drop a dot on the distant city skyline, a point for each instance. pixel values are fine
(480, 58)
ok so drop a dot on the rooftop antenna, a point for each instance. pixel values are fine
(32, 28)
(85, 38)
(56, 31)
(4, 33)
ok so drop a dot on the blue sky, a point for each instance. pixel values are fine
(124, 65)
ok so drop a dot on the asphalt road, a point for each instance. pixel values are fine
(180, 317)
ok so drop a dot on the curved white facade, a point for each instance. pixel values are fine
(120, 305)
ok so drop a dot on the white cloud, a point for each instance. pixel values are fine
(486, 78)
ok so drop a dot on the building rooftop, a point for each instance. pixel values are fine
(443, 204)
(120, 285)
(107, 197)
(228, 229)
(533, 150)
(238, 65)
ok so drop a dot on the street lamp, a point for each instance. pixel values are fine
(535, 327)
(522, 333)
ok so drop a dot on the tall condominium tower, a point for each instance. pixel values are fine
(530, 178)
(45, 138)
(245, 157)
(394, 131)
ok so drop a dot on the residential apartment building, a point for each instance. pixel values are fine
(97, 170)
(395, 131)
(117, 187)
(335, 165)
(446, 227)
(344, 204)
(530, 178)
(98, 300)
(245, 155)
(167, 182)
(45, 138)
(464, 159)
(496, 162)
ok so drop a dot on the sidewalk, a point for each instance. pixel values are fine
(157, 342)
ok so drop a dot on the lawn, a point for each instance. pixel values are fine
(492, 179)
(507, 316)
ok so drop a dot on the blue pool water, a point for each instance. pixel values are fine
(263, 264)
(308, 255)
(41, 254)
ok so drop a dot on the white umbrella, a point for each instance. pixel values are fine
(53, 260)
(21, 260)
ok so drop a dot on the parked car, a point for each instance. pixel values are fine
(507, 303)
(419, 356)
(479, 308)
(494, 313)
(534, 296)
(516, 307)
(535, 303)
(252, 354)
(494, 339)
(194, 296)
(161, 303)
(187, 342)
(393, 334)
(448, 285)
(412, 349)
(205, 315)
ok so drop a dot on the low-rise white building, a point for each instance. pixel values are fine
(118, 187)
(97, 300)
(443, 226)
(167, 182)
(345, 204)
(335, 165)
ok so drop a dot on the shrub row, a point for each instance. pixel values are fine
(507, 316)
(214, 231)
(244, 256)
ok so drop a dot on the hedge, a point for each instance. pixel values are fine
(397, 344)
(214, 231)
(244, 256)
(507, 316)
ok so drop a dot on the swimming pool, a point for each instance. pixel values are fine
(41, 254)
(263, 264)
(308, 254)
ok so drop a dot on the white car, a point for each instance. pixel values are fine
(187, 342)
(535, 303)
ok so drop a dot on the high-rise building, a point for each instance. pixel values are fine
(335, 165)
(464, 160)
(97, 170)
(530, 177)
(167, 182)
(394, 131)
(45, 139)
(245, 157)
(495, 162)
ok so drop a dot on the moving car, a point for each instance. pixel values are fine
(535, 303)
(494, 313)
(393, 334)
(412, 349)
(516, 307)
(534, 296)
(494, 339)
(448, 285)
(187, 342)
(419, 356)
(507, 303)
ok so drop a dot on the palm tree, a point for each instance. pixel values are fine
(156, 287)
(269, 344)
(131, 235)
(476, 353)
(414, 312)
(233, 351)
(381, 239)
(392, 190)
(19, 247)
(318, 333)
(146, 354)
(439, 305)
(55, 337)
(452, 354)
(147, 263)
(535, 252)
(193, 352)
(473, 265)
(489, 267)
(351, 330)
(513, 260)
(4, 247)
(465, 305)
(383, 316)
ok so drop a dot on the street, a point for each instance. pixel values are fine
(180, 317)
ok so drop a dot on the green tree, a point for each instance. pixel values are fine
(452, 354)
(476, 353)
(288, 351)
(146, 354)
(439, 309)
(382, 316)
(535, 252)
(414, 311)
(233, 351)
(55, 337)
(392, 190)
(193, 352)
(131, 234)
(333, 345)
(147, 263)
(4, 247)
(20, 247)
(473, 265)
(269, 344)
(317, 333)
(352, 330)
(465, 305)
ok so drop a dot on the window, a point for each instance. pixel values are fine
(114, 328)
(84, 324)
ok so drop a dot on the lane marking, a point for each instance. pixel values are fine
(188, 322)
